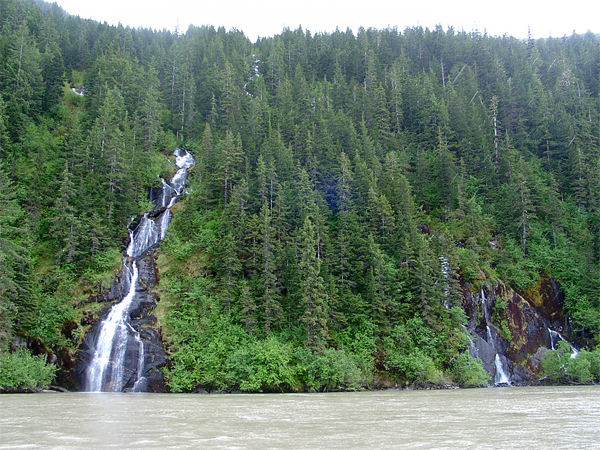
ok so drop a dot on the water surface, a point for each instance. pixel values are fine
(498, 418)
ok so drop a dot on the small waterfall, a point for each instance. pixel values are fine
(555, 336)
(501, 376)
(472, 347)
(107, 371)
(445, 273)
(145, 236)
(165, 220)
(167, 193)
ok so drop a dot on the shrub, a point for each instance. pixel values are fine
(560, 366)
(264, 365)
(333, 369)
(20, 371)
(467, 371)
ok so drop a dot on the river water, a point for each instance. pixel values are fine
(494, 418)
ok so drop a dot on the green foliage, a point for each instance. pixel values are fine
(20, 371)
(467, 371)
(499, 314)
(334, 369)
(52, 313)
(412, 350)
(264, 365)
(562, 365)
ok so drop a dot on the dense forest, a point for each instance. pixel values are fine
(349, 188)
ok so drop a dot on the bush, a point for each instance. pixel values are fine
(559, 366)
(53, 311)
(20, 371)
(418, 367)
(333, 369)
(467, 371)
(203, 348)
(264, 365)
(579, 369)
(555, 363)
(412, 350)
(594, 359)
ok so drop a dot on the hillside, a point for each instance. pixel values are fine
(364, 209)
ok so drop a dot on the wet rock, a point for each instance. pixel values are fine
(142, 305)
(144, 321)
(154, 352)
(513, 326)
(118, 289)
(147, 271)
(155, 381)
(485, 352)
(534, 362)
(521, 374)
(57, 389)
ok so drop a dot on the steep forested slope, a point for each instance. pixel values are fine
(350, 191)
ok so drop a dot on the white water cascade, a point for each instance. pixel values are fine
(106, 371)
(445, 273)
(500, 378)
(111, 344)
(555, 336)
(472, 347)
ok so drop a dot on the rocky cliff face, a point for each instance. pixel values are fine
(511, 332)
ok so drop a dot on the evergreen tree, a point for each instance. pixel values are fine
(12, 254)
(314, 293)
(66, 226)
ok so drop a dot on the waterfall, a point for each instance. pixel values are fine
(145, 236)
(107, 365)
(490, 338)
(116, 336)
(555, 336)
(165, 220)
(445, 273)
(500, 377)
(472, 347)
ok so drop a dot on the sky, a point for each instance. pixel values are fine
(264, 18)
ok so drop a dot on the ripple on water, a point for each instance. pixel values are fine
(532, 418)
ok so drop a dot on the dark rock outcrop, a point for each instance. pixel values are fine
(515, 327)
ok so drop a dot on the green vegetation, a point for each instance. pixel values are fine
(559, 366)
(20, 371)
(347, 188)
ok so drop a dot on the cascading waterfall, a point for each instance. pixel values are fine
(107, 371)
(501, 377)
(472, 347)
(445, 273)
(555, 336)
(111, 345)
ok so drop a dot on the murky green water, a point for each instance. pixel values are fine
(499, 418)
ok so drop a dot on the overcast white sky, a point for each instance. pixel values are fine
(268, 17)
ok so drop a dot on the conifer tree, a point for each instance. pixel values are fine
(269, 249)
(314, 293)
(12, 254)
(66, 226)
